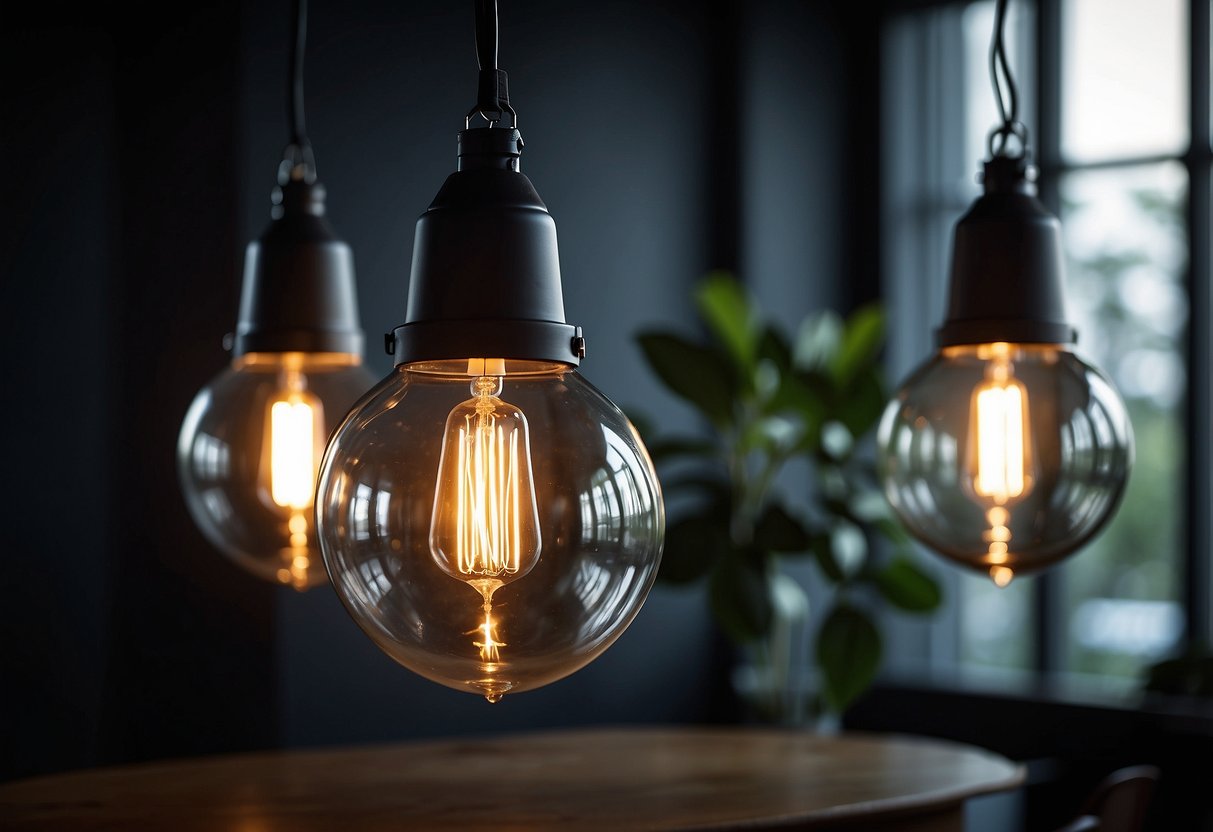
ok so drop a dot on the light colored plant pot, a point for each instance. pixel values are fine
(777, 679)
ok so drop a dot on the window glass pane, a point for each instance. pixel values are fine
(1124, 78)
(1127, 249)
(995, 624)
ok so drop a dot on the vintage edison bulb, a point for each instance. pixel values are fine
(493, 525)
(1005, 457)
(248, 454)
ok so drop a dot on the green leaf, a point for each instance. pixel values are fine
(861, 341)
(773, 434)
(869, 505)
(773, 347)
(850, 547)
(642, 423)
(893, 531)
(836, 440)
(907, 587)
(779, 531)
(696, 373)
(726, 308)
(765, 379)
(693, 546)
(793, 396)
(848, 653)
(862, 403)
(738, 594)
(818, 341)
(715, 488)
(823, 550)
(669, 448)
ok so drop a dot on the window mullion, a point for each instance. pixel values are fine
(1199, 525)
(1048, 598)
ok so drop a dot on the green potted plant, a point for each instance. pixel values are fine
(771, 399)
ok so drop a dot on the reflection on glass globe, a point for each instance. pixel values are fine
(492, 525)
(248, 454)
(1005, 457)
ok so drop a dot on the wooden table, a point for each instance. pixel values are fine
(601, 779)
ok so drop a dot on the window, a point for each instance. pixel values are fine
(1121, 138)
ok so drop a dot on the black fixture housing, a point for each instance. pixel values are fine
(298, 293)
(1007, 260)
(1007, 267)
(485, 279)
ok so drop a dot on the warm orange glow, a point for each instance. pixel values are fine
(292, 453)
(998, 550)
(1000, 452)
(1001, 575)
(294, 428)
(1000, 408)
(298, 529)
(489, 536)
(489, 645)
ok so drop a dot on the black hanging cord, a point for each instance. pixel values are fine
(298, 162)
(493, 94)
(486, 34)
(999, 141)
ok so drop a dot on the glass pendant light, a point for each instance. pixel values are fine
(1005, 452)
(490, 519)
(251, 443)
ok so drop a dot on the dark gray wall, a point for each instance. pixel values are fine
(139, 155)
(122, 636)
(55, 418)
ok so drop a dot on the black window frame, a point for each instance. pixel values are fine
(1196, 533)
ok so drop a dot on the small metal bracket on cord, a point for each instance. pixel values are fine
(493, 87)
(492, 100)
(298, 163)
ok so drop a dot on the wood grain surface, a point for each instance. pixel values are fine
(603, 779)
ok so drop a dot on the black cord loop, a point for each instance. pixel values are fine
(492, 93)
(999, 142)
(298, 164)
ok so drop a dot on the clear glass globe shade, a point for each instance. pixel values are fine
(249, 452)
(1005, 458)
(490, 533)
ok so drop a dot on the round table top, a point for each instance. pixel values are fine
(605, 778)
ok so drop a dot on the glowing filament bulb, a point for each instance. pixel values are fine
(292, 453)
(1000, 454)
(1000, 442)
(290, 457)
(489, 542)
(485, 525)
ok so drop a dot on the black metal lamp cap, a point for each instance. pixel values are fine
(298, 293)
(1007, 266)
(485, 280)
